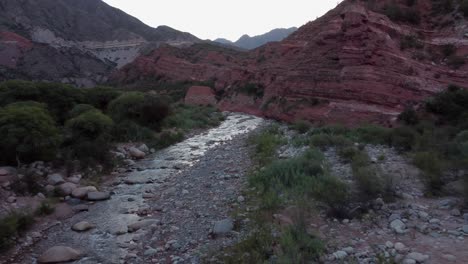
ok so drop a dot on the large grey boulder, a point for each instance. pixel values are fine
(223, 227)
(55, 179)
(136, 153)
(59, 254)
(82, 192)
(98, 196)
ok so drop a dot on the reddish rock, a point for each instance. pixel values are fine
(200, 95)
(347, 66)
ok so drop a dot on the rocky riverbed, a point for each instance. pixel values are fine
(170, 207)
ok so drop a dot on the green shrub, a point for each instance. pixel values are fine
(100, 96)
(373, 134)
(167, 138)
(130, 131)
(190, 117)
(59, 98)
(408, 15)
(296, 177)
(252, 89)
(450, 105)
(27, 133)
(403, 138)
(266, 145)
(325, 140)
(144, 109)
(367, 177)
(431, 168)
(12, 225)
(92, 153)
(409, 116)
(348, 153)
(80, 109)
(46, 208)
(301, 126)
(297, 246)
(90, 124)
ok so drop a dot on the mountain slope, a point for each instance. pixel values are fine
(88, 36)
(358, 63)
(247, 42)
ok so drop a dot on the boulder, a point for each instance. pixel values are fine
(223, 227)
(67, 188)
(98, 196)
(82, 192)
(340, 255)
(55, 179)
(143, 148)
(82, 226)
(398, 226)
(59, 254)
(136, 153)
(141, 224)
(418, 257)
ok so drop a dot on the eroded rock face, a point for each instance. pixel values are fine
(347, 66)
(200, 95)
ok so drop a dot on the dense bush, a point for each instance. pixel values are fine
(266, 144)
(187, 117)
(301, 126)
(449, 105)
(296, 177)
(27, 133)
(11, 225)
(410, 42)
(368, 180)
(80, 109)
(409, 116)
(90, 124)
(100, 96)
(395, 13)
(431, 169)
(144, 109)
(59, 98)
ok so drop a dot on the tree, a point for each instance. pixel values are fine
(27, 133)
(90, 125)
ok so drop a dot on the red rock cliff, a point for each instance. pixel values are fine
(352, 65)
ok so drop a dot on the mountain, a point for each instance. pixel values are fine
(247, 42)
(78, 42)
(364, 61)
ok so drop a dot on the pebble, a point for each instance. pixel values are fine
(398, 226)
(11, 199)
(82, 226)
(59, 254)
(98, 196)
(389, 244)
(340, 254)
(418, 257)
(240, 199)
(400, 247)
(455, 212)
(223, 227)
(449, 257)
(465, 229)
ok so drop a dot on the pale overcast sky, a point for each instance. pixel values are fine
(211, 19)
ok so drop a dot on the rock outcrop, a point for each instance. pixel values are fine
(355, 64)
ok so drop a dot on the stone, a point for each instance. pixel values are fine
(129, 162)
(349, 250)
(150, 252)
(340, 255)
(223, 227)
(80, 208)
(455, 212)
(450, 258)
(400, 247)
(67, 188)
(447, 203)
(98, 196)
(141, 224)
(398, 226)
(240, 199)
(418, 257)
(82, 192)
(423, 215)
(465, 229)
(4, 172)
(11, 199)
(143, 148)
(434, 221)
(409, 261)
(465, 216)
(389, 244)
(136, 153)
(55, 179)
(394, 217)
(82, 226)
(59, 254)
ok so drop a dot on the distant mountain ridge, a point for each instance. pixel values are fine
(247, 42)
(71, 41)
